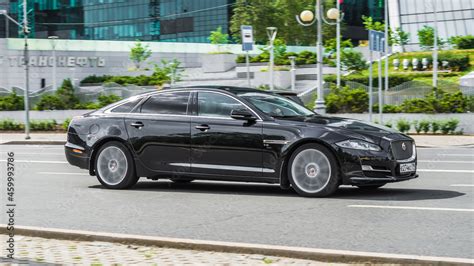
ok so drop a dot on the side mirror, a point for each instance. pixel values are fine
(242, 114)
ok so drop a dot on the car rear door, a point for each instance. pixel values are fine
(222, 145)
(159, 132)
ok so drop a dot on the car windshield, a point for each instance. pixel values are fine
(275, 105)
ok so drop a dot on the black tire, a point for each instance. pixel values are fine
(126, 177)
(181, 180)
(371, 187)
(323, 171)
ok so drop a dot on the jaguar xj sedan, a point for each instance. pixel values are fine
(235, 134)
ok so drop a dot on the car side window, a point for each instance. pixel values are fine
(216, 104)
(127, 106)
(171, 103)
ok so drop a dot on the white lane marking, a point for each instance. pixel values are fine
(438, 161)
(58, 173)
(462, 185)
(457, 155)
(33, 161)
(410, 208)
(446, 171)
(38, 153)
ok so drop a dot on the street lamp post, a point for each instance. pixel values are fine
(272, 32)
(435, 48)
(307, 18)
(26, 31)
(53, 44)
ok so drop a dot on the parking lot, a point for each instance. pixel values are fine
(432, 215)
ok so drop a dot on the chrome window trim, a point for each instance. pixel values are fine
(151, 94)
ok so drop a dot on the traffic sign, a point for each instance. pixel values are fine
(247, 38)
(377, 41)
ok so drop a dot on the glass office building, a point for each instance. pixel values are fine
(455, 17)
(147, 20)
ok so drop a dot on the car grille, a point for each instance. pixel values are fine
(402, 150)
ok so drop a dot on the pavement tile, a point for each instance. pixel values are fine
(42, 251)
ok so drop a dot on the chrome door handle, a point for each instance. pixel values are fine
(137, 125)
(202, 127)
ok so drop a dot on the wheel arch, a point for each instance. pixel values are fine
(284, 181)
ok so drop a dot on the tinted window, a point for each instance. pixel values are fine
(215, 104)
(174, 103)
(275, 105)
(127, 106)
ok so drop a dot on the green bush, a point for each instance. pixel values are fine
(105, 100)
(435, 126)
(43, 125)
(388, 124)
(95, 79)
(417, 126)
(462, 42)
(403, 125)
(389, 109)
(66, 123)
(345, 100)
(417, 105)
(12, 102)
(353, 60)
(395, 79)
(50, 102)
(9, 124)
(449, 126)
(66, 94)
(457, 62)
(425, 126)
(445, 102)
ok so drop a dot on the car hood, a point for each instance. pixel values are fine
(351, 127)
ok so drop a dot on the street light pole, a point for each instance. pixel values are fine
(53, 44)
(272, 32)
(27, 71)
(308, 17)
(387, 52)
(338, 44)
(435, 47)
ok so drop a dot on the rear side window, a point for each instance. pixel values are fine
(216, 105)
(126, 107)
(171, 103)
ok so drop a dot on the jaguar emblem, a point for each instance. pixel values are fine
(404, 146)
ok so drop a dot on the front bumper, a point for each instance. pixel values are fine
(360, 167)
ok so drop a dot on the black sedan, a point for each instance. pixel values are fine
(235, 134)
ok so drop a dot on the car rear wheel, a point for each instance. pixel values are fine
(313, 171)
(114, 166)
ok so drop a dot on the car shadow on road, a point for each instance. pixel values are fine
(344, 192)
(396, 194)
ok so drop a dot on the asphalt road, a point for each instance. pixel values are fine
(432, 215)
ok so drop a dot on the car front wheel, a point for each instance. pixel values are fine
(114, 166)
(313, 171)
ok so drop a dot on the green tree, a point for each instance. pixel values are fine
(426, 38)
(66, 94)
(281, 14)
(139, 54)
(331, 44)
(370, 24)
(401, 38)
(218, 38)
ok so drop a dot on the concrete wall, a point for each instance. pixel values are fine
(466, 120)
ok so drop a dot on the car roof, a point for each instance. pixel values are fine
(231, 89)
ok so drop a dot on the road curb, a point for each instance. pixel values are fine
(34, 142)
(325, 255)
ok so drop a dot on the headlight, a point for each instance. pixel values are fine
(358, 145)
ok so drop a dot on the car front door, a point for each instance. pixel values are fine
(159, 132)
(220, 144)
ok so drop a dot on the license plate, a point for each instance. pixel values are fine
(407, 167)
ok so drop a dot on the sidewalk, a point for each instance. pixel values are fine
(429, 141)
(33, 250)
